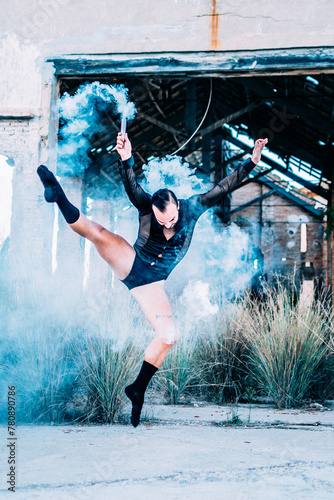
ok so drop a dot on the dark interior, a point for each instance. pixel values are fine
(296, 113)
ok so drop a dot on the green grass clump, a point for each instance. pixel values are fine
(71, 362)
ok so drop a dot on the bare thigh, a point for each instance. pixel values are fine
(114, 249)
(157, 309)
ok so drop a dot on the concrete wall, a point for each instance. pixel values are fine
(33, 30)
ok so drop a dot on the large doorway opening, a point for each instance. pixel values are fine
(294, 112)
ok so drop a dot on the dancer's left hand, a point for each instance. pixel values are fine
(259, 145)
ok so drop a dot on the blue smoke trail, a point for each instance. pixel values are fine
(82, 114)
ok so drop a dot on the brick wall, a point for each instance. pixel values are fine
(279, 237)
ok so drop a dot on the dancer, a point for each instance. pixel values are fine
(166, 225)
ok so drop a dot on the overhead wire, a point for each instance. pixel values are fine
(199, 126)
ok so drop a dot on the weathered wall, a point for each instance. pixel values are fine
(33, 30)
(83, 26)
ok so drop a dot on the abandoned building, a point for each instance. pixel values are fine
(286, 236)
(249, 69)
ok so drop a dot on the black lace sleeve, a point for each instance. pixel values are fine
(226, 185)
(138, 197)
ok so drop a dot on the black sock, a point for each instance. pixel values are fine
(135, 392)
(53, 193)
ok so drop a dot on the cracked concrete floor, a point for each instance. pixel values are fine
(177, 459)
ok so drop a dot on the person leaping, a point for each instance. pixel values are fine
(166, 226)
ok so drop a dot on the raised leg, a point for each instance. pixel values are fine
(113, 248)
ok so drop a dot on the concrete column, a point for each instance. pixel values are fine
(207, 148)
(31, 218)
(221, 155)
(70, 246)
(26, 141)
(190, 111)
(100, 273)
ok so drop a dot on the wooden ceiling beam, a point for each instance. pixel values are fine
(230, 118)
(160, 124)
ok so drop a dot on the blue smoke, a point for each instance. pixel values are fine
(81, 115)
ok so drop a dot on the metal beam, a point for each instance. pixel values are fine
(110, 137)
(230, 118)
(253, 179)
(290, 196)
(227, 162)
(312, 187)
(274, 189)
(233, 159)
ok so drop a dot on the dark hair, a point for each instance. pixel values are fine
(161, 198)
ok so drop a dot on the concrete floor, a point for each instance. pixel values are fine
(179, 453)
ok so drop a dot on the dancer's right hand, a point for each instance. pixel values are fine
(123, 147)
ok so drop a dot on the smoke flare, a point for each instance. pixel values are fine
(82, 115)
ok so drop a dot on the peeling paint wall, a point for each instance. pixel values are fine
(83, 26)
(34, 30)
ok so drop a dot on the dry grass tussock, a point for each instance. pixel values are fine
(74, 367)
(219, 355)
(71, 364)
(288, 345)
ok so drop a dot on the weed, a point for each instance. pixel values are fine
(218, 356)
(286, 345)
(106, 370)
(178, 374)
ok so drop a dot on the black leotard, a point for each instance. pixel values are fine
(156, 256)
